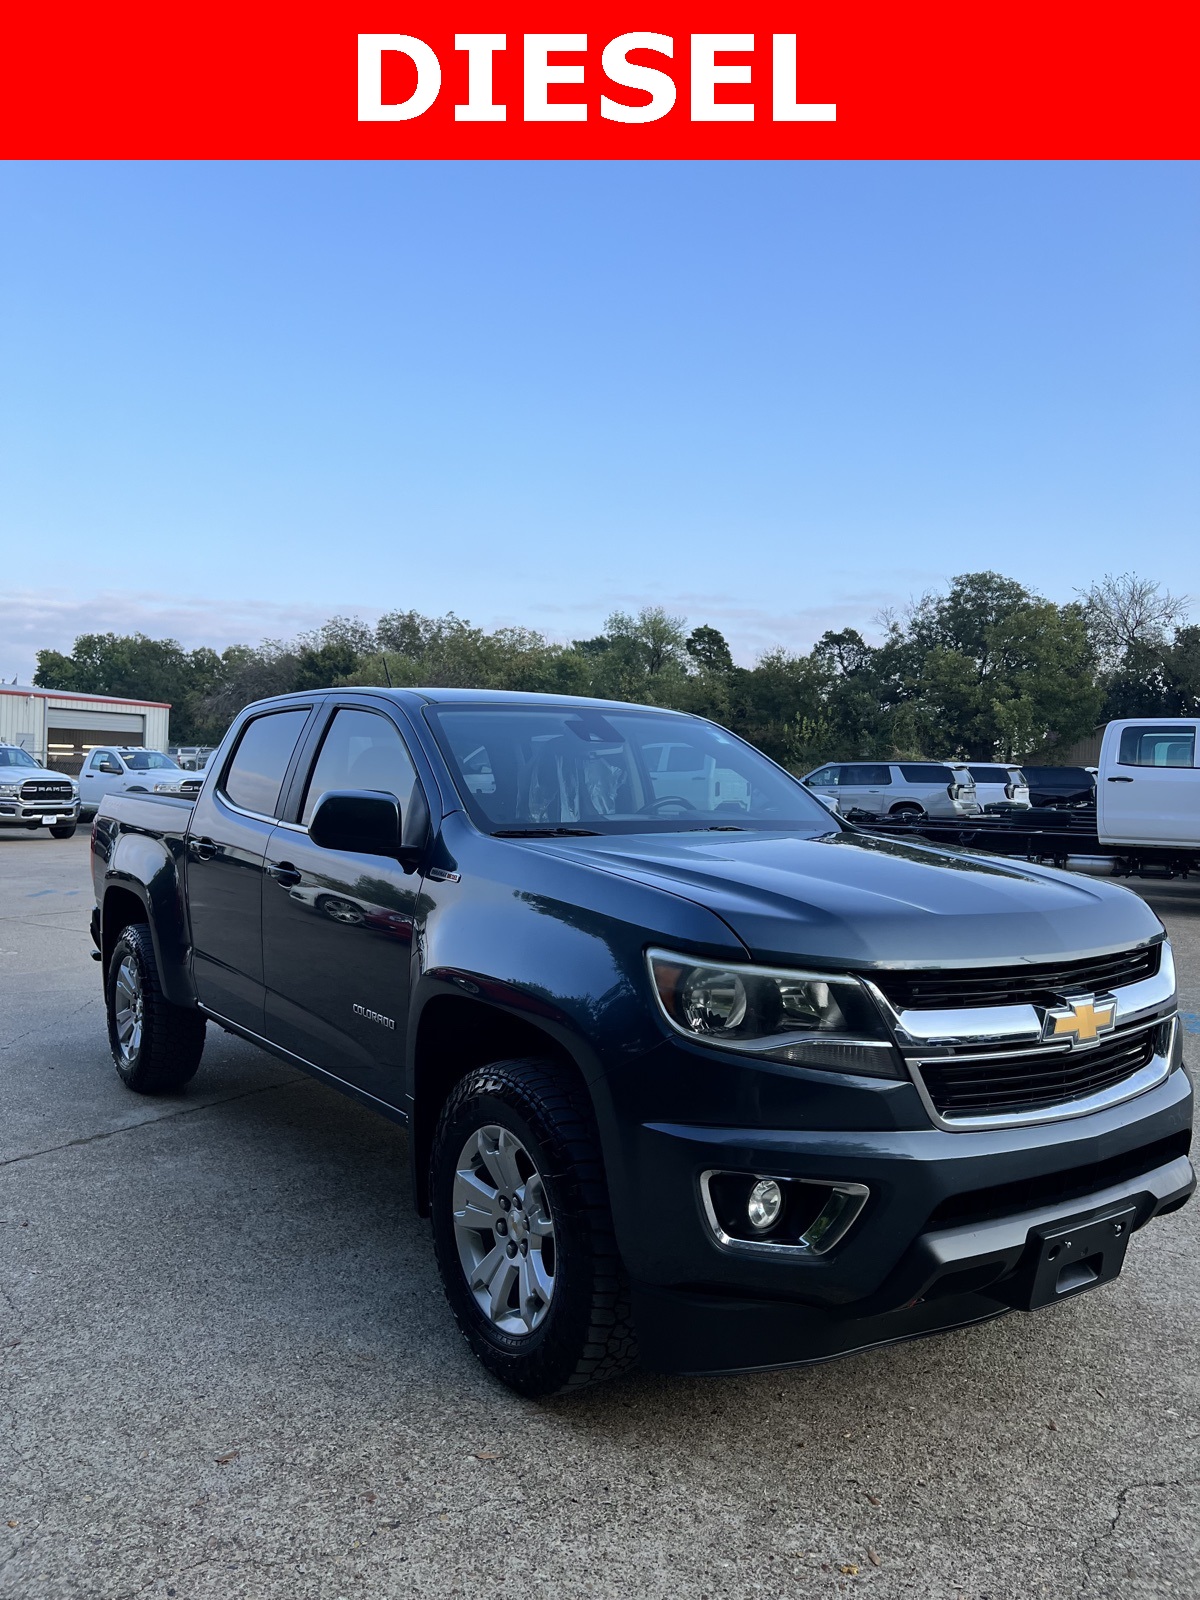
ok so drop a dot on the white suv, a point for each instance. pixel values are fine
(32, 795)
(898, 788)
(128, 769)
(1001, 788)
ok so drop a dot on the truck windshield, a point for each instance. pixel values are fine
(535, 769)
(13, 757)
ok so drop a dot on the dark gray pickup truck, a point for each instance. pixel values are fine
(692, 1069)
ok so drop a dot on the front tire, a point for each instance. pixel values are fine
(156, 1046)
(67, 831)
(523, 1231)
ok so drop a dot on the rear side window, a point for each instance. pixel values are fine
(1157, 747)
(361, 750)
(875, 777)
(255, 775)
(925, 772)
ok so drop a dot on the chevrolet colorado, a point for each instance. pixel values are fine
(693, 1070)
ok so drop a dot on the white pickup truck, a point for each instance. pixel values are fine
(1148, 784)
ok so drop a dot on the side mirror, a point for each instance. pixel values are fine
(359, 821)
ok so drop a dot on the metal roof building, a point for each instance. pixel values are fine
(59, 727)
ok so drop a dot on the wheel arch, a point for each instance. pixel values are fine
(125, 901)
(454, 1035)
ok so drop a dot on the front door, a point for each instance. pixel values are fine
(1152, 795)
(102, 774)
(227, 844)
(338, 926)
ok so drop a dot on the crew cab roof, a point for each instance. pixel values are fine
(497, 697)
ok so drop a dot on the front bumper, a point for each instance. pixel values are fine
(944, 1234)
(20, 813)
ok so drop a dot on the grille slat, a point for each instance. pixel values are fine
(983, 1089)
(952, 988)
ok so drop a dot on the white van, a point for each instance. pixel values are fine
(1148, 784)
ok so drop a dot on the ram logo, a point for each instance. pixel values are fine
(373, 1016)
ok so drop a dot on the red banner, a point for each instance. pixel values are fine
(576, 79)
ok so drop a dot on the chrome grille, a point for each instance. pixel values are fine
(966, 1088)
(954, 988)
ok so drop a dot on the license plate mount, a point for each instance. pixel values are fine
(1068, 1258)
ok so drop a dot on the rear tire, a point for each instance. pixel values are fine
(64, 832)
(907, 811)
(520, 1204)
(156, 1046)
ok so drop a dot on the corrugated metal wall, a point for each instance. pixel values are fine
(30, 721)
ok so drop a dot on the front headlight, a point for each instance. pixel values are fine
(8, 789)
(806, 1019)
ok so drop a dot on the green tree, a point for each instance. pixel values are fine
(709, 650)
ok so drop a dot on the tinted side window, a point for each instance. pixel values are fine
(876, 777)
(925, 772)
(827, 775)
(1157, 747)
(255, 775)
(361, 750)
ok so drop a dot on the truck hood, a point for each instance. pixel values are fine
(856, 899)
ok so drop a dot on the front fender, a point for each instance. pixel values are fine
(559, 946)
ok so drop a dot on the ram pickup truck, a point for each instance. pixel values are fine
(708, 1077)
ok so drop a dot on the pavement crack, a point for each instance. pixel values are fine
(83, 1006)
(130, 1127)
(1118, 1513)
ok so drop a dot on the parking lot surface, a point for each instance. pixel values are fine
(228, 1371)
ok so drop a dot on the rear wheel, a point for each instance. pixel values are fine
(523, 1231)
(907, 810)
(156, 1046)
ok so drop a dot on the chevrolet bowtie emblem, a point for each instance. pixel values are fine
(1081, 1019)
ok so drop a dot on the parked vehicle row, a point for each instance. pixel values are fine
(33, 796)
(692, 1068)
(898, 789)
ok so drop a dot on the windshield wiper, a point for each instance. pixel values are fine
(545, 833)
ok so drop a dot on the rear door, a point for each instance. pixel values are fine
(1150, 792)
(226, 852)
(337, 926)
(864, 786)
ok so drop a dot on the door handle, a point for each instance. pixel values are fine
(1120, 780)
(205, 849)
(284, 873)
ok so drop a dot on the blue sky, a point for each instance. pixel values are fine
(237, 398)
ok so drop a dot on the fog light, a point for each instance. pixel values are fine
(764, 1205)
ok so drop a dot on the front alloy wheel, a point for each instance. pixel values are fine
(523, 1231)
(504, 1230)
